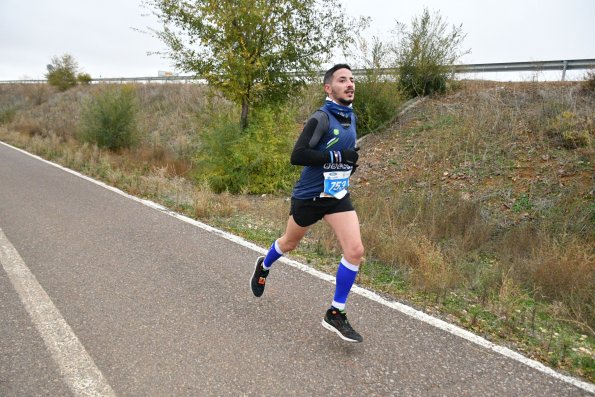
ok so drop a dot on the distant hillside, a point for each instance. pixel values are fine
(494, 143)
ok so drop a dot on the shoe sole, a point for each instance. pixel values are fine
(336, 331)
(251, 277)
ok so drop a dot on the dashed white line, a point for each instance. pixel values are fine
(76, 366)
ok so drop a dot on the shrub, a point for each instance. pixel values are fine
(84, 78)
(252, 161)
(62, 72)
(217, 140)
(376, 104)
(109, 120)
(377, 95)
(572, 131)
(565, 271)
(424, 54)
(431, 271)
(7, 114)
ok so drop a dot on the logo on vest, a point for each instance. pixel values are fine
(337, 166)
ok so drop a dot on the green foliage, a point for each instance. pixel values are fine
(376, 103)
(62, 72)
(523, 203)
(84, 78)
(572, 131)
(248, 48)
(7, 114)
(255, 161)
(425, 52)
(377, 96)
(109, 120)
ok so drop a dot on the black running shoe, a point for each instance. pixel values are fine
(259, 278)
(336, 321)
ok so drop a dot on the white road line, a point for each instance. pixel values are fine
(76, 366)
(419, 315)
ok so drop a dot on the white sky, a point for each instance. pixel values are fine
(99, 34)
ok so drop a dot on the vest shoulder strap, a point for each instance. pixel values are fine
(321, 127)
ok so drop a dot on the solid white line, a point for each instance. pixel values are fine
(421, 316)
(76, 366)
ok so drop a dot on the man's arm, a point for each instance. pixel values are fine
(303, 151)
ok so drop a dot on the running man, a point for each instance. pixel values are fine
(326, 149)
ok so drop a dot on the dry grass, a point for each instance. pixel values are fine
(210, 205)
(564, 271)
(495, 171)
(168, 117)
(430, 271)
(588, 86)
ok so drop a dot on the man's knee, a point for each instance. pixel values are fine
(287, 245)
(354, 253)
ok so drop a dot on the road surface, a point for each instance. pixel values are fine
(101, 294)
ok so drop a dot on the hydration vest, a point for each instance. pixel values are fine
(337, 137)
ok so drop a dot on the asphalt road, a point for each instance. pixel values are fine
(160, 307)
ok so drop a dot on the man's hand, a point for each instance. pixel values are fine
(346, 156)
(349, 156)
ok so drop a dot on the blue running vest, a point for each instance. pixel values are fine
(311, 182)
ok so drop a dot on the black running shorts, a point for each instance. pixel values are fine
(308, 212)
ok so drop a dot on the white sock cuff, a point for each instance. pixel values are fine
(278, 249)
(350, 266)
(337, 305)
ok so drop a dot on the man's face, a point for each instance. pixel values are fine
(342, 87)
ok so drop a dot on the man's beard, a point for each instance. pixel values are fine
(345, 102)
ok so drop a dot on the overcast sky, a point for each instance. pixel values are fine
(99, 34)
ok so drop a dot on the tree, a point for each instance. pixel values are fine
(425, 53)
(249, 48)
(62, 72)
(84, 78)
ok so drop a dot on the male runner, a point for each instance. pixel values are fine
(326, 149)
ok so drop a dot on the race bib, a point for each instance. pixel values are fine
(336, 183)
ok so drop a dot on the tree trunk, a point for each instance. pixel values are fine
(244, 118)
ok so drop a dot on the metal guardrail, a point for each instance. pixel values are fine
(535, 66)
(121, 80)
(526, 66)
(564, 65)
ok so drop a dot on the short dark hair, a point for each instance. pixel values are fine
(328, 76)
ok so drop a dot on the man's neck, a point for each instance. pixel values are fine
(328, 98)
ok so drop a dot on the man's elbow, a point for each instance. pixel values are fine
(295, 158)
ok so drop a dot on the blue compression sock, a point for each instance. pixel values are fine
(345, 278)
(273, 254)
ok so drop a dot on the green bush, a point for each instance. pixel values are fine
(571, 131)
(377, 95)
(62, 72)
(424, 54)
(376, 103)
(84, 78)
(253, 161)
(7, 114)
(109, 120)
